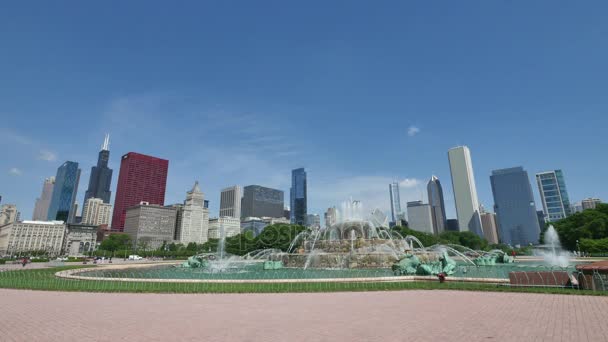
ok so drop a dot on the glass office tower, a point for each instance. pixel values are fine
(64, 192)
(553, 194)
(514, 206)
(298, 197)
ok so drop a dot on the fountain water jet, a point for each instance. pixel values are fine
(552, 251)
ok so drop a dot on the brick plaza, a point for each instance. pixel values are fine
(357, 316)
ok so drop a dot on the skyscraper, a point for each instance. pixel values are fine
(298, 197)
(465, 191)
(101, 175)
(435, 193)
(419, 217)
(64, 192)
(230, 202)
(41, 209)
(259, 201)
(514, 206)
(553, 194)
(393, 190)
(141, 178)
(194, 218)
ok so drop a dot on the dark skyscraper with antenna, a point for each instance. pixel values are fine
(101, 175)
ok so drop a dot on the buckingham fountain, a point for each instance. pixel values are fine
(359, 240)
(360, 246)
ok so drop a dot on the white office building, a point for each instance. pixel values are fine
(230, 202)
(96, 213)
(465, 191)
(9, 214)
(28, 236)
(229, 225)
(420, 217)
(193, 218)
(150, 225)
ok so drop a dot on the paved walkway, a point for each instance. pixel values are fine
(364, 316)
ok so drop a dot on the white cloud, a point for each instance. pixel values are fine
(412, 131)
(410, 183)
(47, 155)
(14, 172)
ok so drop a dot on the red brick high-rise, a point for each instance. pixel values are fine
(141, 178)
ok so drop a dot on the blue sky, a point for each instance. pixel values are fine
(359, 93)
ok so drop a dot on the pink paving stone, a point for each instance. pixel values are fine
(356, 316)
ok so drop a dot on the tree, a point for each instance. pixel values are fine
(116, 242)
(241, 244)
(425, 238)
(278, 236)
(191, 247)
(467, 239)
(594, 246)
(589, 224)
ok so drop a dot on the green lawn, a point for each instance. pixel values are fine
(44, 279)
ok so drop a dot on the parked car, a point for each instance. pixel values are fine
(62, 258)
(135, 257)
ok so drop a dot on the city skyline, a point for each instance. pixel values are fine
(416, 195)
(391, 75)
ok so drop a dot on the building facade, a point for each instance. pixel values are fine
(64, 193)
(452, 225)
(101, 176)
(41, 209)
(229, 226)
(514, 207)
(259, 201)
(230, 202)
(489, 226)
(96, 212)
(299, 197)
(540, 215)
(395, 200)
(141, 178)
(465, 190)
(192, 224)
(553, 195)
(313, 221)
(28, 236)
(435, 194)
(79, 239)
(331, 217)
(420, 217)
(150, 225)
(9, 214)
(590, 203)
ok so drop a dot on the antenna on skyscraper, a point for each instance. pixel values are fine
(106, 143)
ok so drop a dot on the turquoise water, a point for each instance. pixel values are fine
(256, 271)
